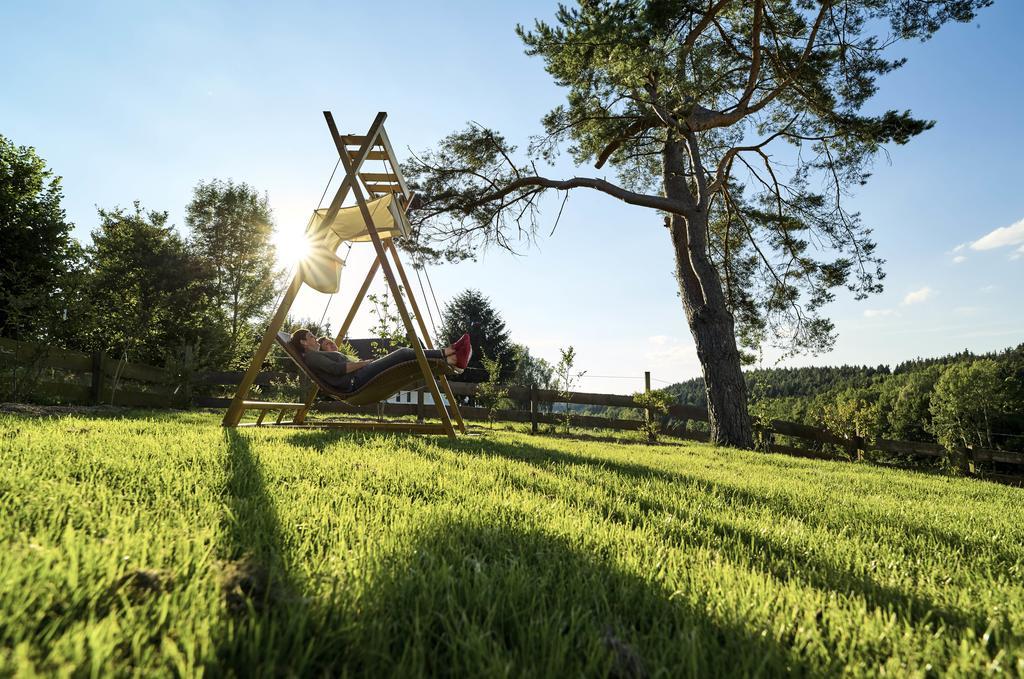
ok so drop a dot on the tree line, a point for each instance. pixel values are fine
(963, 399)
(139, 288)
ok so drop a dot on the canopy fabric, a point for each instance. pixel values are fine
(348, 225)
(321, 268)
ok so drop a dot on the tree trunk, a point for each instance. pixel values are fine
(707, 313)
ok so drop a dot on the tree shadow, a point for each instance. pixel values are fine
(486, 597)
(474, 597)
(781, 559)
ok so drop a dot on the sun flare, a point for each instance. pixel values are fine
(291, 249)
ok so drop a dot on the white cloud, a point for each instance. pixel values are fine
(1018, 253)
(989, 289)
(660, 340)
(918, 296)
(878, 313)
(1001, 237)
(967, 310)
(960, 247)
(959, 259)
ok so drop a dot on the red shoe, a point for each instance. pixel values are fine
(463, 352)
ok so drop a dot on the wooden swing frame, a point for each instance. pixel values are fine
(374, 145)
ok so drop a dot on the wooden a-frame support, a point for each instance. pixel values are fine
(352, 161)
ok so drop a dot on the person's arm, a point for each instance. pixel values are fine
(353, 366)
(327, 362)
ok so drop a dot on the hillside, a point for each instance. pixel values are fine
(815, 380)
(163, 544)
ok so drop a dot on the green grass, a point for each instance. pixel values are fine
(163, 545)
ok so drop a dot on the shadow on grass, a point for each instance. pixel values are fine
(267, 615)
(490, 597)
(479, 597)
(752, 549)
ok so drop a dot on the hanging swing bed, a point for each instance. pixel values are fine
(378, 217)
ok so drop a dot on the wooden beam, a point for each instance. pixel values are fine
(238, 405)
(354, 163)
(426, 335)
(371, 155)
(357, 139)
(386, 142)
(271, 405)
(405, 427)
(384, 188)
(378, 245)
(377, 177)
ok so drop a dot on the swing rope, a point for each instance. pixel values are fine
(426, 302)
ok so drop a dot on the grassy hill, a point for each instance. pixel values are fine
(165, 545)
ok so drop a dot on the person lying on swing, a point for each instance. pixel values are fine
(338, 371)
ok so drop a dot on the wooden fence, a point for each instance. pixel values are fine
(38, 371)
(76, 377)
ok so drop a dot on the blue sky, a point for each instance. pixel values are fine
(139, 101)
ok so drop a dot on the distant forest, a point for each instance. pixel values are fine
(963, 399)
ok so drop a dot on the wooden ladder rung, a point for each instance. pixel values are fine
(356, 140)
(384, 188)
(378, 177)
(372, 155)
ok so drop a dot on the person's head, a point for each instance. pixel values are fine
(303, 340)
(327, 344)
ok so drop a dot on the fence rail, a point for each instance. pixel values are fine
(86, 378)
(132, 384)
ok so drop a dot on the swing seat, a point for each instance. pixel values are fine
(382, 386)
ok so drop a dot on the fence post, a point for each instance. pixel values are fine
(968, 461)
(98, 365)
(533, 408)
(648, 415)
(856, 447)
(419, 406)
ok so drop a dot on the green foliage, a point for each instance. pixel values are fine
(39, 259)
(968, 398)
(163, 545)
(230, 230)
(904, 401)
(657, 402)
(388, 325)
(759, 105)
(530, 370)
(491, 393)
(897, 404)
(854, 412)
(146, 292)
(566, 379)
(470, 311)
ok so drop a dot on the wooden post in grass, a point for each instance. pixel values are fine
(856, 448)
(967, 456)
(533, 408)
(648, 415)
(96, 388)
(419, 406)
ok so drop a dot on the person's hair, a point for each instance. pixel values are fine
(298, 337)
(325, 338)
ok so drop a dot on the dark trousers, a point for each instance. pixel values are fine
(356, 380)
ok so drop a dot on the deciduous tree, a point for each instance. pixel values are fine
(38, 255)
(230, 228)
(148, 295)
